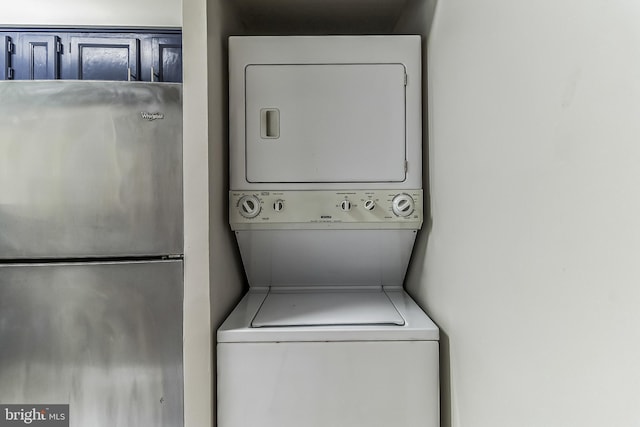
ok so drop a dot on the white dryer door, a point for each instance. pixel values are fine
(308, 123)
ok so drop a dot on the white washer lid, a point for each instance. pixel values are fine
(316, 308)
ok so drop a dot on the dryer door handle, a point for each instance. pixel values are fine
(269, 123)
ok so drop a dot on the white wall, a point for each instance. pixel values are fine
(213, 275)
(124, 13)
(198, 340)
(226, 273)
(532, 263)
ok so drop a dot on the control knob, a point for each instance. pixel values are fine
(249, 206)
(402, 205)
(278, 205)
(369, 204)
(345, 205)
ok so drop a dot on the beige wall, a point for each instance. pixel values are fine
(124, 13)
(531, 263)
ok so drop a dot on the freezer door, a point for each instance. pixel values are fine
(104, 338)
(90, 169)
(310, 123)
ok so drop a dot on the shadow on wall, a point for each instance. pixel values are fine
(445, 381)
(418, 18)
(418, 292)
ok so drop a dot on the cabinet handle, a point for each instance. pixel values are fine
(130, 75)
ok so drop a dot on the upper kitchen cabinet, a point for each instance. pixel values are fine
(91, 55)
(104, 58)
(6, 48)
(37, 57)
(167, 59)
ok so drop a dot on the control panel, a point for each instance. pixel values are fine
(325, 209)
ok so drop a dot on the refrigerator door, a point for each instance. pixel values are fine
(105, 338)
(90, 169)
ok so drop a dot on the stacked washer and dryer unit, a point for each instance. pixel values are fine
(325, 202)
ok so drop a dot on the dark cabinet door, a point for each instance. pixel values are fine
(167, 59)
(38, 57)
(6, 48)
(110, 54)
(104, 58)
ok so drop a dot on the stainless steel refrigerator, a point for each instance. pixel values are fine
(91, 244)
